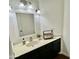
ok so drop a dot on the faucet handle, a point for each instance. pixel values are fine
(31, 39)
(24, 41)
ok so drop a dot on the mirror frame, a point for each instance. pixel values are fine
(25, 12)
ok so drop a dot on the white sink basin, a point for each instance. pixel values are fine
(32, 43)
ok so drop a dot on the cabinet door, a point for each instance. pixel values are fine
(31, 55)
(50, 50)
(34, 54)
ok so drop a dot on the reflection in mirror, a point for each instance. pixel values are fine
(25, 23)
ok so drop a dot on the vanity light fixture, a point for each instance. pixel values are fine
(30, 7)
(21, 5)
(26, 4)
(38, 11)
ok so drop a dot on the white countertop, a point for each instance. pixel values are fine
(20, 49)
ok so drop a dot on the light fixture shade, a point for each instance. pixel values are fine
(21, 5)
(38, 11)
(24, 2)
(30, 6)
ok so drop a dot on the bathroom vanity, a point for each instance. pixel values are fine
(44, 49)
(27, 23)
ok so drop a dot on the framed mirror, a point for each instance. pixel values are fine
(26, 24)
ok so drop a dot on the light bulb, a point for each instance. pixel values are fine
(30, 7)
(21, 5)
(38, 11)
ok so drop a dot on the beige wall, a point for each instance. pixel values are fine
(66, 28)
(51, 15)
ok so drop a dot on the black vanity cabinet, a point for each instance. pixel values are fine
(50, 50)
(47, 51)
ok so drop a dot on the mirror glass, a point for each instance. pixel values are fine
(26, 24)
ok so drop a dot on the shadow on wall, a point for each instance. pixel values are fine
(65, 51)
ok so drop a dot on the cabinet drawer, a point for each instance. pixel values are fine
(50, 50)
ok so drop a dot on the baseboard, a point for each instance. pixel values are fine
(64, 54)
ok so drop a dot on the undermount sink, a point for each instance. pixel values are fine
(32, 43)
